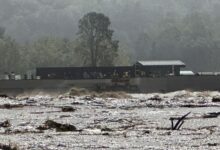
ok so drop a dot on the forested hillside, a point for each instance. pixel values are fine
(43, 32)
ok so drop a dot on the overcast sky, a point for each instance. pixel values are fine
(29, 19)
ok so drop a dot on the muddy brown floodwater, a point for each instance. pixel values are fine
(90, 122)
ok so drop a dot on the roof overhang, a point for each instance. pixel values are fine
(161, 63)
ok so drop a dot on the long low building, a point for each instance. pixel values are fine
(139, 69)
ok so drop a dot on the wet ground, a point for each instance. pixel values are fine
(139, 122)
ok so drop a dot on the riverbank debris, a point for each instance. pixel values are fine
(179, 123)
(212, 115)
(9, 147)
(5, 124)
(50, 124)
(11, 106)
(68, 109)
(216, 99)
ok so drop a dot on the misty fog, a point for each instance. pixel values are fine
(188, 30)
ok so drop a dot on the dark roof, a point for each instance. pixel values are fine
(161, 63)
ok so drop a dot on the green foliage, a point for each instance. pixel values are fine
(187, 30)
(123, 58)
(45, 52)
(9, 57)
(95, 43)
(50, 52)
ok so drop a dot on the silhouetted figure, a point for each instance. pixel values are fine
(32, 77)
(12, 76)
(6, 74)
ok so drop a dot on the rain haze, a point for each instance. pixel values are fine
(146, 29)
(109, 74)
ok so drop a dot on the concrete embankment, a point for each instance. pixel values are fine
(143, 85)
(169, 84)
(14, 87)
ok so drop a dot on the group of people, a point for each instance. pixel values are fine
(100, 75)
(10, 76)
(93, 75)
(13, 76)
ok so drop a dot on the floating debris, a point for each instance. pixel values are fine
(216, 99)
(179, 123)
(212, 115)
(9, 147)
(68, 109)
(5, 124)
(155, 98)
(11, 106)
(50, 124)
(4, 96)
(213, 144)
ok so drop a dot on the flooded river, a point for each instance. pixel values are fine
(137, 121)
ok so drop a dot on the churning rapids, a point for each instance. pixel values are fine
(110, 121)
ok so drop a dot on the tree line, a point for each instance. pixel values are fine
(94, 46)
(193, 38)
